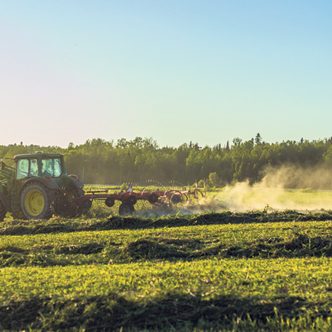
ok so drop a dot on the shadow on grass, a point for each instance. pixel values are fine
(173, 311)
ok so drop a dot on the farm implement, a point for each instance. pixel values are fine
(38, 187)
(129, 198)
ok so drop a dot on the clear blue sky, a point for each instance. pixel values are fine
(174, 70)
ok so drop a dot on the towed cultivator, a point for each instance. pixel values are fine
(129, 198)
(38, 187)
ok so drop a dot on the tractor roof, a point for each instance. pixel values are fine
(38, 155)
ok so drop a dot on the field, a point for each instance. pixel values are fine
(231, 271)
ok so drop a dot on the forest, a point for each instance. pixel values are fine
(142, 161)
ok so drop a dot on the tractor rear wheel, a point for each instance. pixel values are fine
(36, 202)
(66, 204)
(3, 211)
(126, 209)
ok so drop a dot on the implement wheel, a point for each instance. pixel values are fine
(3, 211)
(36, 202)
(126, 209)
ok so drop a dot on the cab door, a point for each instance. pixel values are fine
(25, 169)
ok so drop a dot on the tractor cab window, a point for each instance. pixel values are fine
(22, 168)
(33, 167)
(51, 167)
(26, 168)
(57, 167)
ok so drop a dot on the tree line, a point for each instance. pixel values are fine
(142, 162)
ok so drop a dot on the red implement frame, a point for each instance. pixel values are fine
(129, 198)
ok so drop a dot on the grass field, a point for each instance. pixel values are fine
(240, 271)
(286, 239)
(258, 275)
(210, 293)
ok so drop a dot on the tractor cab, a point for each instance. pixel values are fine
(39, 165)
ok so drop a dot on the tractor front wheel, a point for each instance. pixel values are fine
(36, 202)
(3, 211)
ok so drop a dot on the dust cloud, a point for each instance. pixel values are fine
(283, 188)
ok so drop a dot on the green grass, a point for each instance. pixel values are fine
(284, 239)
(230, 271)
(219, 291)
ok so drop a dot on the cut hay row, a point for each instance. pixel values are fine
(57, 225)
(266, 240)
(212, 293)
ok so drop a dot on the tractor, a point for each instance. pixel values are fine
(38, 186)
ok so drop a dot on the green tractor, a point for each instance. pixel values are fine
(38, 187)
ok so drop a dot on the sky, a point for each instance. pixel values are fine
(174, 70)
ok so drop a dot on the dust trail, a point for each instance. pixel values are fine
(284, 188)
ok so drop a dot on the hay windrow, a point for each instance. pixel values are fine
(150, 248)
(22, 227)
(172, 311)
